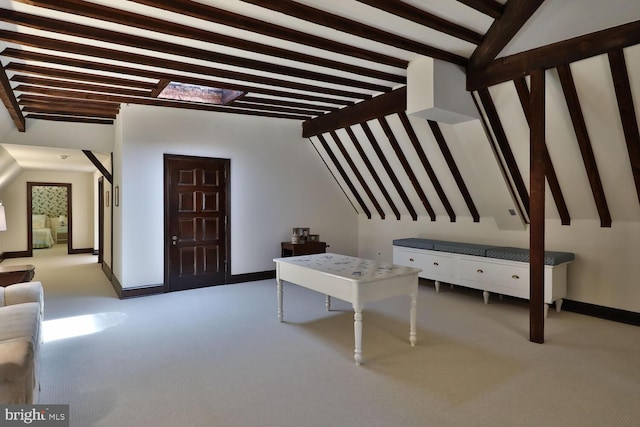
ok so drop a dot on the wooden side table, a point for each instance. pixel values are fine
(16, 274)
(295, 249)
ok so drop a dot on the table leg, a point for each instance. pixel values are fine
(279, 292)
(413, 335)
(357, 329)
(327, 302)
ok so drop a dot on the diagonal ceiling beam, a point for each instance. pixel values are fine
(505, 148)
(584, 142)
(380, 106)
(553, 55)
(356, 172)
(344, 175)
(550, 171)
(349, 26)
(627, 112)
(407, 167)
(98, 164)
(373, 172)
(390, 172)
(425, 18)
(10, 102)
(503, 29)
(453, 167)
(408, 127)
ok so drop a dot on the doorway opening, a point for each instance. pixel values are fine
(49, 215)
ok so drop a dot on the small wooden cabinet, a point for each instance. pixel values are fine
(309, 248)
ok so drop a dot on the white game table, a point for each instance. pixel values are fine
(353, 280)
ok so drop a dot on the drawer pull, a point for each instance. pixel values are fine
(435, 263)
(411, 259)
(515, 276)
(479, 271)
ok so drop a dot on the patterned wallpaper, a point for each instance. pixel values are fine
(49, 200)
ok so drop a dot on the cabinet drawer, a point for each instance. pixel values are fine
(493, 276)
(435, 265)
(409, 258)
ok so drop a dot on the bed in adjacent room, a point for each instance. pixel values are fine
(41, 230)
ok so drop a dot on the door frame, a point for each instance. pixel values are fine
(30, 186)
(167, 213)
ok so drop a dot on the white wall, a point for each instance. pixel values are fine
(14, 197)
(277, 182)
(605, 271)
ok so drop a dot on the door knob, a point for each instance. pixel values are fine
(174, 240)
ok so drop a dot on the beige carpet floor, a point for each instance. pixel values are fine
(218, 357)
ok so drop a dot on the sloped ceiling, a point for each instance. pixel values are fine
(339, 67)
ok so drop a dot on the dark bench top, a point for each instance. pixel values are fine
(497, 252)
(522, 255)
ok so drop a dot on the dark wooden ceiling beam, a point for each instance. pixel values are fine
(387, 167)
(415, 141)
(42, 99)
(68, 108)
(380, 106)
(70, 119)
(67, 112)
(224, 17)
(422, 17)
(525, 100)
(75, 75)
(129, 40)
(67, 93)
(70, 105)
(98, 164)
(356, 172)
(155, 61)
(496, 153)
(627, 111)
(10, 102)
(503, 29)
(407, 167)
(271, 107)
(119, 16)
(349, 26)
(491, 8)
(373, 172)
(584, 142)
(553, 55)
(91, 87)
(453, 167)
(296, 104)
(505, 148)
(182, 78)
(344, 175)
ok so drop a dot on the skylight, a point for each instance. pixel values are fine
(196, 93)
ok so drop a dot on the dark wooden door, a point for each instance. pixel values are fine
(196, 212)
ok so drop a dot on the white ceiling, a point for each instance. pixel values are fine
(555, 20)
(49, 158)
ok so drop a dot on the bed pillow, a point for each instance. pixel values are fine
(39, 221)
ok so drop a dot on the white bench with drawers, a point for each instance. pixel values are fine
(491, 269)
